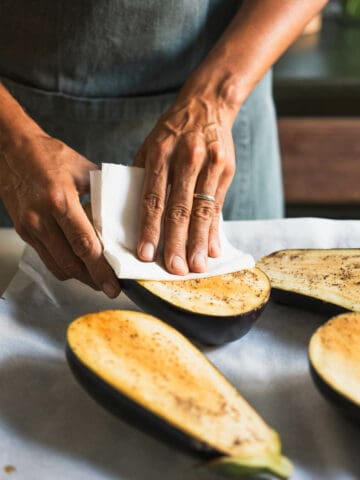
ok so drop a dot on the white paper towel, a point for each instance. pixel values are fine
(115, 201)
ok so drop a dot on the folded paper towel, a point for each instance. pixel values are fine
(115, 201)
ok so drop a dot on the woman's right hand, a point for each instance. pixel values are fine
(41, 180)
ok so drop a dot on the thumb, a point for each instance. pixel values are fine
(82, 175)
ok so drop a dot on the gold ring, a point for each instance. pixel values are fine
(204, 196)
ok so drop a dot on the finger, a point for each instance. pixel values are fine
(139, 160)
(203, 210)
(81, 174)
(25, 225)
(214, 248)
(46, 238)
(49, 238)
(59, 249)
(153, 201)
(214, 243)
(83, 241)
(47, 258)
(190, 155)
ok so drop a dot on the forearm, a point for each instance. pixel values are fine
(254, 40)
(15, 124)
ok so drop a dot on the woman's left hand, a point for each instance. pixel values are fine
(190, 151)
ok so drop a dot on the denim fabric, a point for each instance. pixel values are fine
(117, 67)
(108, 48)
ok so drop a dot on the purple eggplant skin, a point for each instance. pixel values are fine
(134, 414)
(305, 302)
(345, 406)
(206, 329)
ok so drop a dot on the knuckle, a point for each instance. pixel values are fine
(152, 204)
(158, 147)
(217, 209)
(72, 270)
(178, 213)
(218, 161)
(60, 275)
(191, 161)
(217, 154)
(82, 245)
(58, 145)
(229, 169)
(57, 202)
(199, 151)
(193, 143)
(203, 212)
(230, 172)
(195, 150)
(30, 222)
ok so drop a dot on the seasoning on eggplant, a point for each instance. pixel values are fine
(334, 354)
(150, 375)
(213, 310)
(315, 277)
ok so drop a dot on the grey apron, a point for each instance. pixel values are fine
(97, 75)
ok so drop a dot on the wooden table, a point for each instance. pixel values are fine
(11, 248)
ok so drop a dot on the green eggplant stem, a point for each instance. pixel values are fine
(239, 467)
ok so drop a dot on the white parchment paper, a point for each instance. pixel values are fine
(51, 430)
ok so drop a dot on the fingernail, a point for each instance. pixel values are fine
(215, 249)
(110, 290)
(199, 262)
(147, 252)
(179, 265)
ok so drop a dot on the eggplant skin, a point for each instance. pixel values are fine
(345, 406)
(208, 329)
(305, 302)
(134, 414)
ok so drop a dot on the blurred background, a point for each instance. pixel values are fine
(317, 93)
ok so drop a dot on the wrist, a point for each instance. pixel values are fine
(219, 88)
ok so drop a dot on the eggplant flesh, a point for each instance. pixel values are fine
(213, 310)
(334, 356)
(319, 279)
(146, 372)
(131, 412)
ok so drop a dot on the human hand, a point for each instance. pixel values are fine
(41, 180)
(190, 150)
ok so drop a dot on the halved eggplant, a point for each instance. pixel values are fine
(213, 310)
(320, 279)
(149, 374)
(334, 355)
